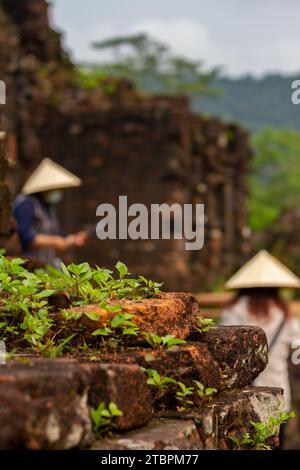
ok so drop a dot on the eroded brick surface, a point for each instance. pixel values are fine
(223, 358)
(170, 313)
(51, 399)
(232, 412)
(43, 407)
(185, 363)
(164, 434)
(124, 385)
(241, 352)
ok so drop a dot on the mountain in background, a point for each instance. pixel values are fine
(253, 103)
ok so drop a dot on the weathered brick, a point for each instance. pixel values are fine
(240, 351)
(13, 415)
(223, 358)
(56, 397)
(124, 385)
(170, 313)
(46, 408)
(231, 414)
(163, 434)
(186, 362)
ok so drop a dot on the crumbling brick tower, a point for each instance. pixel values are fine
(152, 149)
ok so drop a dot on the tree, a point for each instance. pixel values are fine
(275, 178)
(151, 65)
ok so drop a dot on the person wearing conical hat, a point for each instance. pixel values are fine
(35, 213)
(258, 302)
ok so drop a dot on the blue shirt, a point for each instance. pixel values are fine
(24, 213)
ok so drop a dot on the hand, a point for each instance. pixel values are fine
(77, 239)
(60, 243)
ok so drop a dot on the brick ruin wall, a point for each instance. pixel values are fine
(152, 149)
(46, 403)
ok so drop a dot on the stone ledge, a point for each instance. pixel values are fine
(170, 313)
(224, 357)
(232, 413)
(47, 403)
(208, 429)
(159, 434)
(240, 351)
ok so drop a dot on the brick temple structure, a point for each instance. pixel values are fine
(152, 149)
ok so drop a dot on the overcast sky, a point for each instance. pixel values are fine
(243, 36)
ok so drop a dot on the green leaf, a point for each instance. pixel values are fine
(102, 332)
(64, 269)
(114, 410)
(45, 293)
(171, 341)
(122, 269)
(200, 385)
(92, 316)
(210, 391)
(130, 331)
(122, 319)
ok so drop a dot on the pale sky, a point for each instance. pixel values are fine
(242, 36)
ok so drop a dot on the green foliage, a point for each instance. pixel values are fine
(183, 396)
(52, 349)
(151, 65)
(254, 103)
(119, 326)
(262, 432)
(162, 342)
(103, 418)
(156, 380)
(205, 324)
(204, 392)
(89, 81)
(26, 311)
(274, 181)
(85, 284)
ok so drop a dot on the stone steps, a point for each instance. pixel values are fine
(208, 429)
(46, 403)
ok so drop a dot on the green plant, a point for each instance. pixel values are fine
(156, 380)
(118, 327)
(103, 418)
(205, 324)
(262, 432)
(203, 392)
(51, 349)
(29, 318)
(87, 285)
(162, 342)
(183, 396)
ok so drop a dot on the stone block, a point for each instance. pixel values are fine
(123, 384)
(43, 408)
(47, 402)
(171, 313)
(240, 351)
(160, 434)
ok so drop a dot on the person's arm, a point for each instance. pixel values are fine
(58, 242)
(53, 241)
(25, 217)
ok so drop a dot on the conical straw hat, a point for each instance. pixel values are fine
(49, 175)
(263, 270)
